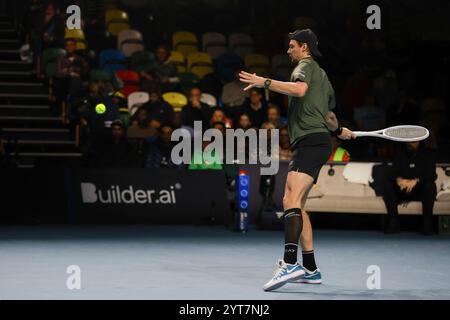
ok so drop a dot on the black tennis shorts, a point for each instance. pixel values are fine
(310, 153)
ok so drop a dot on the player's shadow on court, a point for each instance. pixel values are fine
(334, 292)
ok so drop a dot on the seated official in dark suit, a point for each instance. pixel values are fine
(412, 178)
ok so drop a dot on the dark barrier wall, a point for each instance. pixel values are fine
(147, 196)
(114, 196)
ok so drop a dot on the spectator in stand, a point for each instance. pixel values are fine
(72, 70)
(159, 111)
(163, 72)
(244, 122)
(158, 154)
(196, 110)
(338, 153)
(217, 116)
(285, 145)
(273, 115)
(140, 125)
(116, 151)
(256, 108)
(49, 32)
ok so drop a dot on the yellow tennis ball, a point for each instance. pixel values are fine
(100, 108)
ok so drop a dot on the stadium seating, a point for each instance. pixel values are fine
(112, 61)
(99, 75)
(177, 100)
(185, 42)
(78, 36)
(215, 44)
(209, 99)
(116, 21)
(49, 60)
(188, 81)
(226, 65)
(137, 98)
(282, 67)
(257, 63)
(179, 60)
(241, 44)
(142, 60)
(130, 41)
(200, 64)
(130, 81)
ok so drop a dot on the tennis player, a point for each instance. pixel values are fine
(310, 122)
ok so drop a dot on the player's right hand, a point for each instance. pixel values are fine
(347, 134)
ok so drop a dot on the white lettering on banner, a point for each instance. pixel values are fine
(116, 195)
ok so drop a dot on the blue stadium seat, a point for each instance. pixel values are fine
(112, 61)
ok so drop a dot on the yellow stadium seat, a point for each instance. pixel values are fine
(185, 42)
(117, 15)
(177, 100)
(257, 63)
(200, 64)
(116, 21)
(78, 36)
(179, 60)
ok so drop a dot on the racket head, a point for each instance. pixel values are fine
(406, 133)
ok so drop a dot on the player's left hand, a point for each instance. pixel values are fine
(347, 134)
(253, 80)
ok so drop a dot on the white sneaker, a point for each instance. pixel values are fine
(284, 273)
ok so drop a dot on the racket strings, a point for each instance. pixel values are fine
(406, 133)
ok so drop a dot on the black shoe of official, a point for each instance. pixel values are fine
(392, 226)
(427, 227)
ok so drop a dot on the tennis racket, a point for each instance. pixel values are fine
(398, 133)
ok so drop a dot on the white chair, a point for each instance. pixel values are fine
(209, 99)
(135, 98)
(129, 42)
(214, 44)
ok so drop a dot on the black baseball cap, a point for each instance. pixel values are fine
(309, 37)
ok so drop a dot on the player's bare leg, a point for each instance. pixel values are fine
(288, 269)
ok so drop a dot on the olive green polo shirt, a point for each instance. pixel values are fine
(307, 114)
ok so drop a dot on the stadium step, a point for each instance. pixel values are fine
(40, 146)
(47, 159)
(9, 44)
(37, 133)
(17, 75)
(17, 98)
(9, 54)
(30, 122)
(24, 110)
(15, 65)
(32, 134)
(22, 87)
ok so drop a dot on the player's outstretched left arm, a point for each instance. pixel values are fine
(294, 89)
